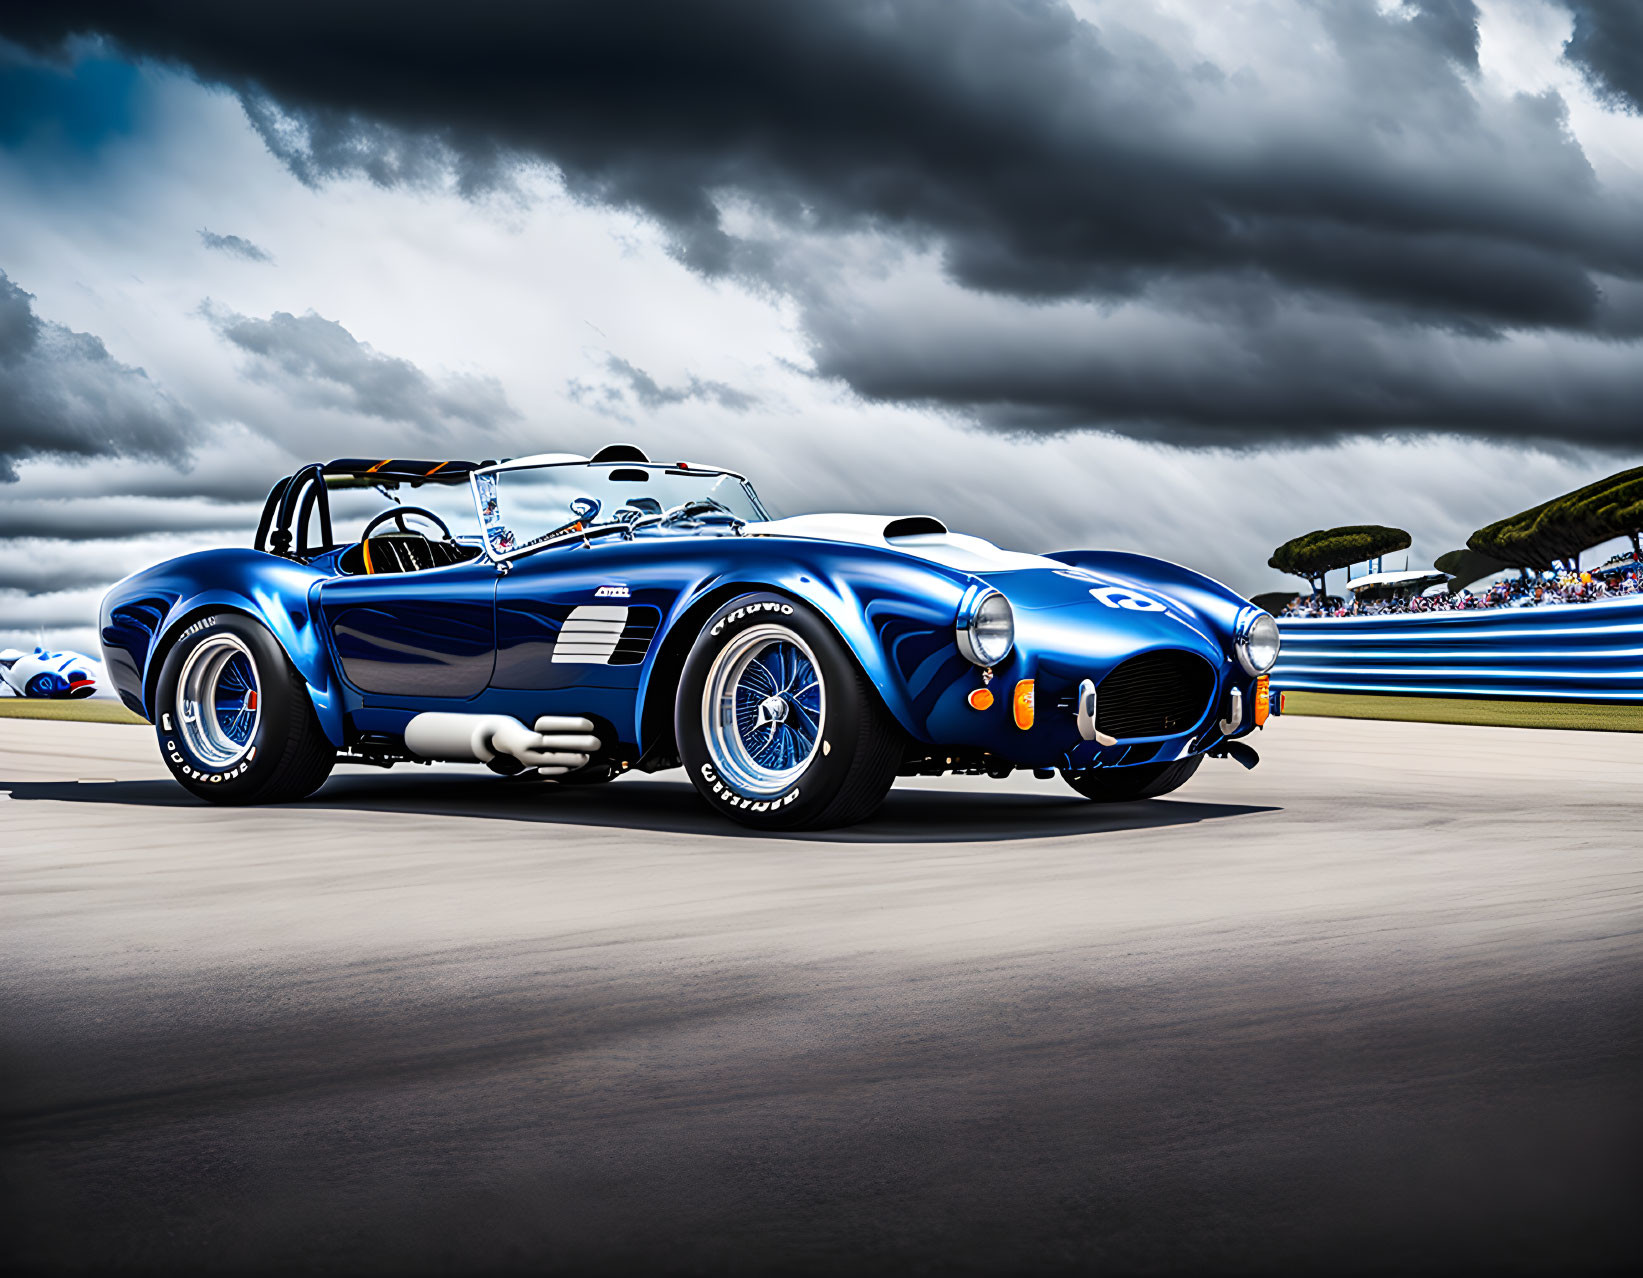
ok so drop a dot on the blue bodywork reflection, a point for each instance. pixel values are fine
(600, 628)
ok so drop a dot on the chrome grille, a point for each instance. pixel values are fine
(1158, 694)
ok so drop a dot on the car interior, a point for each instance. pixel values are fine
(402, 552)
(402, 548)
(299, 506)
(296, 517)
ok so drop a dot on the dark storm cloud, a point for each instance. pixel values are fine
(98, 518)
(48, 580)
(1035, 156)
(635, 386)
(63, 395)
(1452, 26)
(1220, 367)
(1607, 43)
(1047, 156)
(234, 246)
(318, 363)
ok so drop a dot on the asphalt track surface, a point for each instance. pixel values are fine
(1376, 1004)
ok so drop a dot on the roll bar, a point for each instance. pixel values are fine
(289, 508)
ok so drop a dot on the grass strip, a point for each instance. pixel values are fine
(90, 711)
(1584, 716)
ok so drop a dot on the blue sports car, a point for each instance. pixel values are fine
(593, 615)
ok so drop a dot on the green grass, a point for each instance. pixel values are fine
(69, 711)
(1580, 715)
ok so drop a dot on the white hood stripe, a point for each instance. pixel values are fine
(951, 550)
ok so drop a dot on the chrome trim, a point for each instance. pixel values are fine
(1086, 716)
(1240, 643)
(544, 461)
(968, 608)
(726, 745)
(557, 744)
(198, 685)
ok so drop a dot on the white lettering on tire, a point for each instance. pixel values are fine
(187, 768)
(749, 610)
(722, 791)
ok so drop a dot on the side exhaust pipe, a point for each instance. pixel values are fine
(558, 743)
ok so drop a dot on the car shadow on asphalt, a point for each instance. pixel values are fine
(674, 807)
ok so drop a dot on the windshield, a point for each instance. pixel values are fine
(521, 507)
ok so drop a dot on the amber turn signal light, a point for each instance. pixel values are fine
(981, 699)
(1263, 701)
(1023, 703)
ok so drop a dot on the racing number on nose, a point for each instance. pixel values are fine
(1119, 597)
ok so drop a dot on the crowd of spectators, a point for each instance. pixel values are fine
(1622, 575)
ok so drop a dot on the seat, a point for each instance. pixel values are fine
(396, 552)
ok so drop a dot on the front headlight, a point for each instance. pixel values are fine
(986, 626)
(1257, 642)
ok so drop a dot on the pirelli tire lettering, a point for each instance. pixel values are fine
(724, 793)
(204, 623)
(757, 610)
(181, 764)
(851, 748)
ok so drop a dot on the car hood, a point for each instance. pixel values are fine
(1125, 600)
(919, 536)
(1067, 607)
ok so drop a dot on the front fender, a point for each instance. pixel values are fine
(145, 614)
(898, 626)
(894, 615)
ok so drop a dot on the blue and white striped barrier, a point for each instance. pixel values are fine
(1561, 652)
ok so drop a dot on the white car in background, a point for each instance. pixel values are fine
(51, 675)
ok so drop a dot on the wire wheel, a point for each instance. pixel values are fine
(219, 701)
(763, 710)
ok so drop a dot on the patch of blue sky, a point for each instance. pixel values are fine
(74, 106)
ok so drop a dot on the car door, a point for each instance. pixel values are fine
(418, 635)
(581, 617)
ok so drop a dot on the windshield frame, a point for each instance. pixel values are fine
(546, 461)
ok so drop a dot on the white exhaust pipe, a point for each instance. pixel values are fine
(558, 744)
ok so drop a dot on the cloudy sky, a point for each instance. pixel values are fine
(1170, 275)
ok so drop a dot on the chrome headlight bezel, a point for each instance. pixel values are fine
(1245, 642)
(974, 648)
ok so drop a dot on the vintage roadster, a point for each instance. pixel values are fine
(599, 614)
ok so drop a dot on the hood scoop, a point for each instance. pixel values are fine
(913, 526)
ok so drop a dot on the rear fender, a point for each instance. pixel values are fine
(274, 591)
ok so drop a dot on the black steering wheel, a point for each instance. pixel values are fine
(398, 513)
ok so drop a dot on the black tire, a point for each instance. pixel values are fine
(1124, 785)
(287, 755)
(860, 746)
